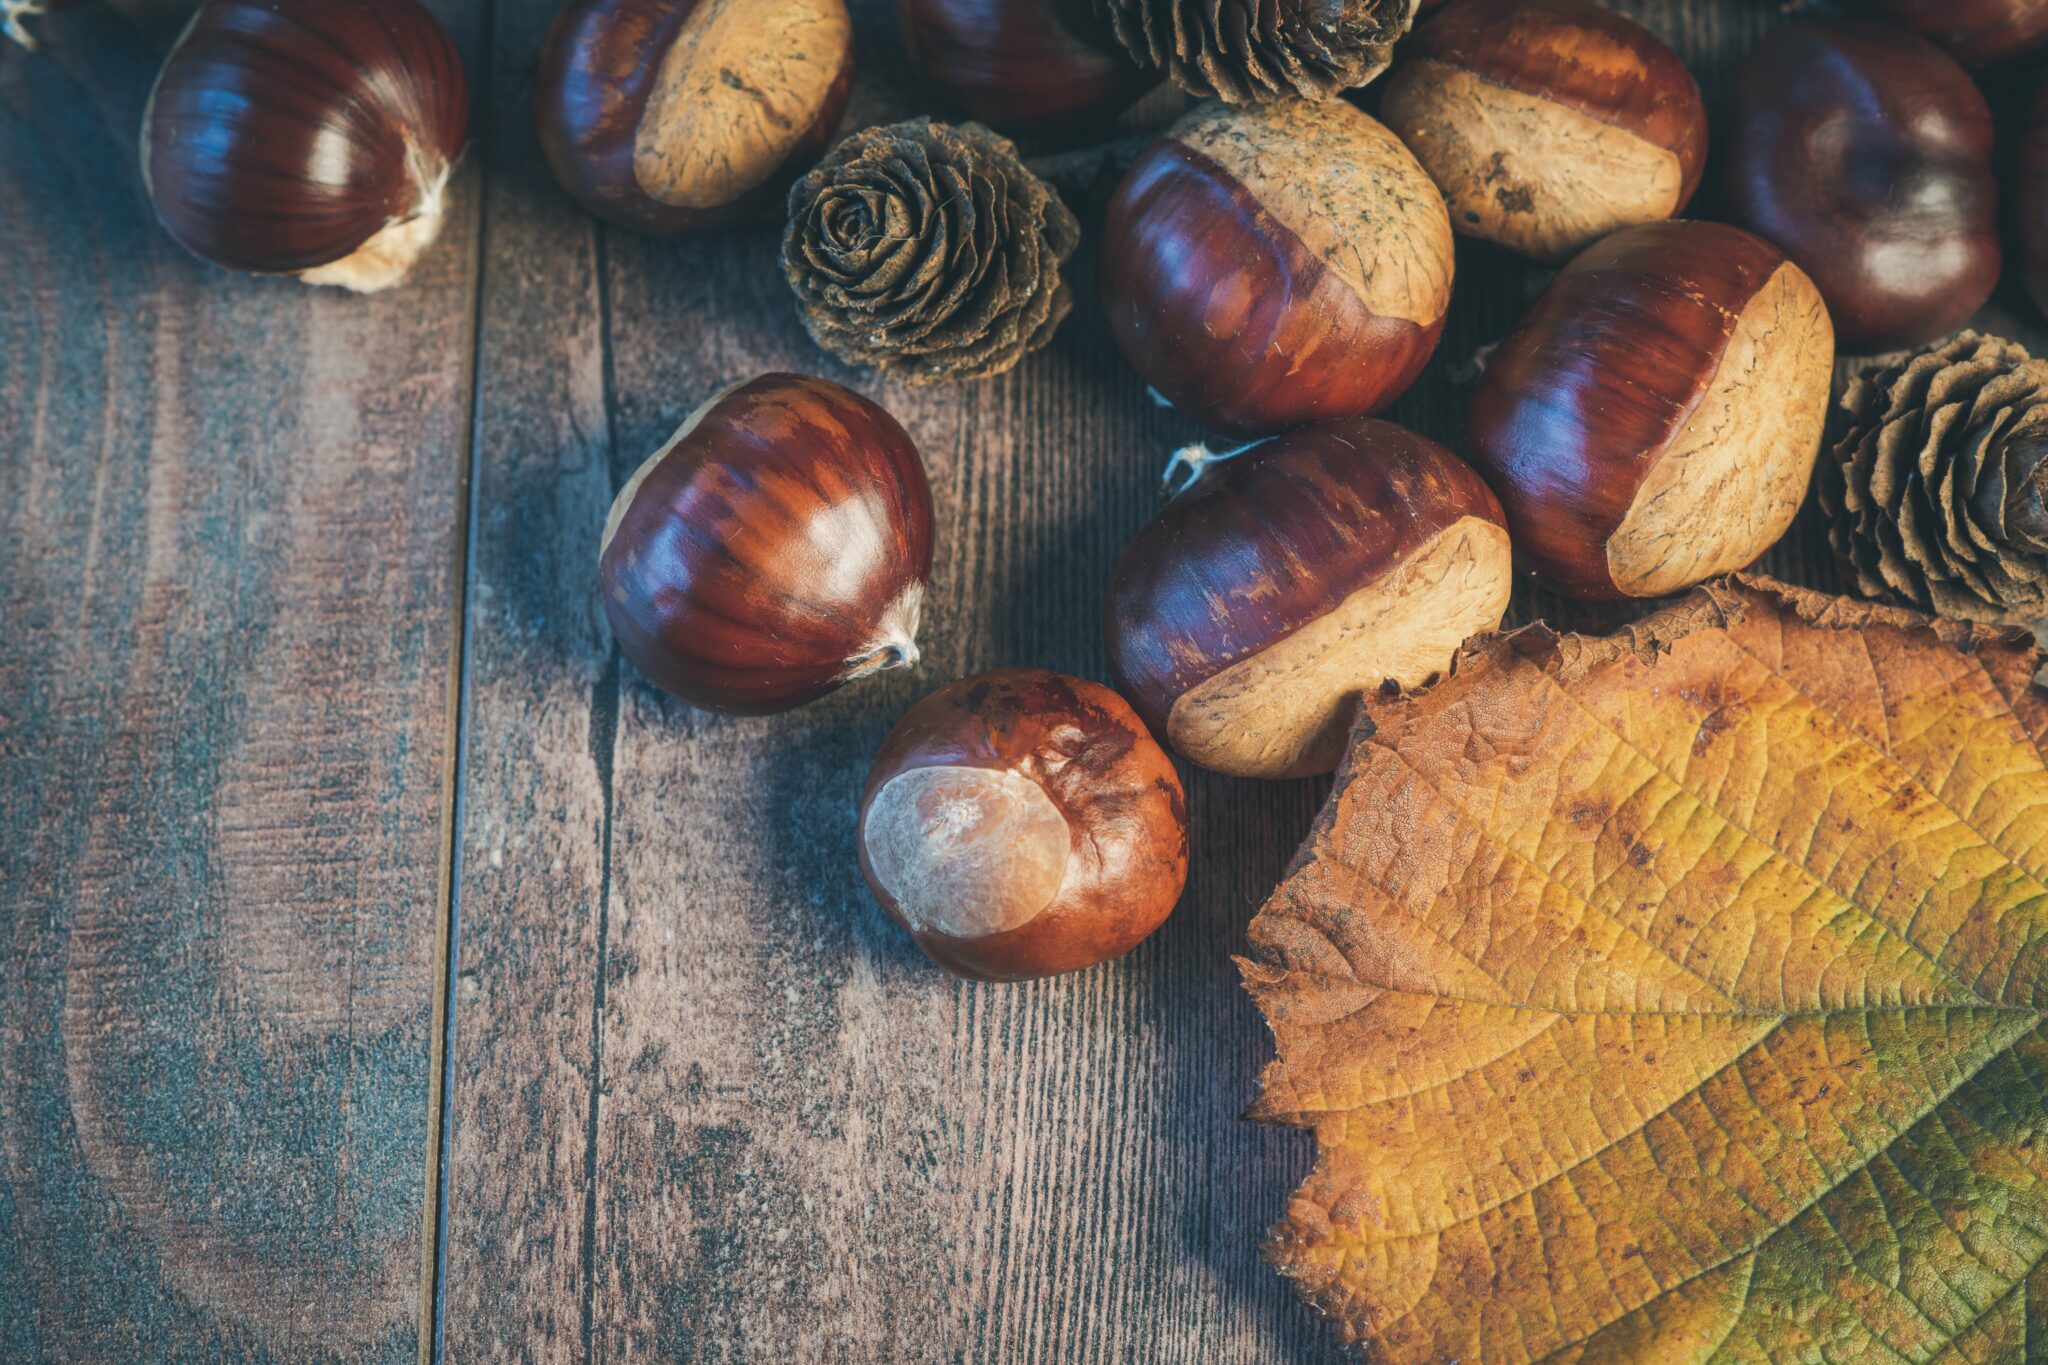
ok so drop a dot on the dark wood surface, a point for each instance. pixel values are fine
(308, 716)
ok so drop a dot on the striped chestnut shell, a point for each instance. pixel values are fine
(307, 137)
(776, 547)
(1277, 264)
(670, 116)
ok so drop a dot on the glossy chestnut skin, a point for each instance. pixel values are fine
(1864, 152)
(1022, 66)
(1251, 616)
(311, 137)
(1548, 123)
(1277, 264)
(1653, 420)
(1975, 32)
(777, 547)
(1021, 823)
(2030, 197)
(669, 116)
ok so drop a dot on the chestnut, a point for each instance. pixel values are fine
(1269, 265)
(1975, 32)
(2030, 207)
(671, 116)
(777, 546)
(307, 137)
(1249, 618)
(1022, 66)
(1864, 152)
(1653, 420)
(1548, 123)
(1021, 823)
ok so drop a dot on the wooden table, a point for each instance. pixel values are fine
(388, 970)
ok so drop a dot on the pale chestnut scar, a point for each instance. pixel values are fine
(1533, 174)
(1286, 709)
(1347, 188)
(967, 852)
(1730, 481)
(739, 87)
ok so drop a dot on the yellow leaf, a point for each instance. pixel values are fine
(1678, 997)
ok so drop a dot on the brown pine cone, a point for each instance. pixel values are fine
(1250, 51)
(1935, 488)
(929, 252)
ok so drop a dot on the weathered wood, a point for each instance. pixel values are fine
(708, 1103)
(227, 514)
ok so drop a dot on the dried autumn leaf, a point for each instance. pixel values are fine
(1678, 997)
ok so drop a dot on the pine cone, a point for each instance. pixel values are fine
(1250, 51)
(1935, 488)
(929, 252)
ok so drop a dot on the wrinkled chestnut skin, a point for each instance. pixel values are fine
(598, 71)
(753, 563)
(1087, 750)
(277, 136)
(1581, 61)
(1268, 541)
(1975, 32)
(1022, 66)
(1222, 307)
(1864, 152)
(1582, 400)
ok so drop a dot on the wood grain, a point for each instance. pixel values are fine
(708, 1104)
(225, 558)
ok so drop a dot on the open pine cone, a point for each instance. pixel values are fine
(1935, 488)
(1249, 51)
(929, 252)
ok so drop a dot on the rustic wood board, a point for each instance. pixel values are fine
(228, 511)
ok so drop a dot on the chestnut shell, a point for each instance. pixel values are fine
(1022, 66)
(1865, 152)
(598, 70)
(1088, 751)
(284, 134)
(1975, 32)
(752, 558)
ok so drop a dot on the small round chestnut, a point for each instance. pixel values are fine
(1269, 265)
(776, 547)
(1653, 420)
(1865, 153)
(672, 116)
(1021, 823)
(1286, 581)
(1022, 66)
(1548, 124)
(1975, 32)
(307, 137)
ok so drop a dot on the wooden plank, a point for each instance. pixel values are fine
(226, 557)
(708, 1103)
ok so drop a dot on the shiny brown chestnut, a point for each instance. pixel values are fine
(1548, 124)
(672, 116)
(2030, 195)
(1277, 264)
(1864, 152)
(1975, 32)
(1021, 823)
(1653, 420)
(1022, 66)
(776, 547)
(1250, 617)
(307, 137)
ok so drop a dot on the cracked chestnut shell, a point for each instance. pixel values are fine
(307, 137)
(670, 116)
(1653, 420)
(1022, 66)
(1548, 123)
(1251, 616)
(775, 548)
(1864, 152)
(1022, 823)
(1269, 265)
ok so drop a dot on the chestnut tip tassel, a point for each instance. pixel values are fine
(312, 138)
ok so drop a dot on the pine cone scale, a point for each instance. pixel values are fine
(1251, 51)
